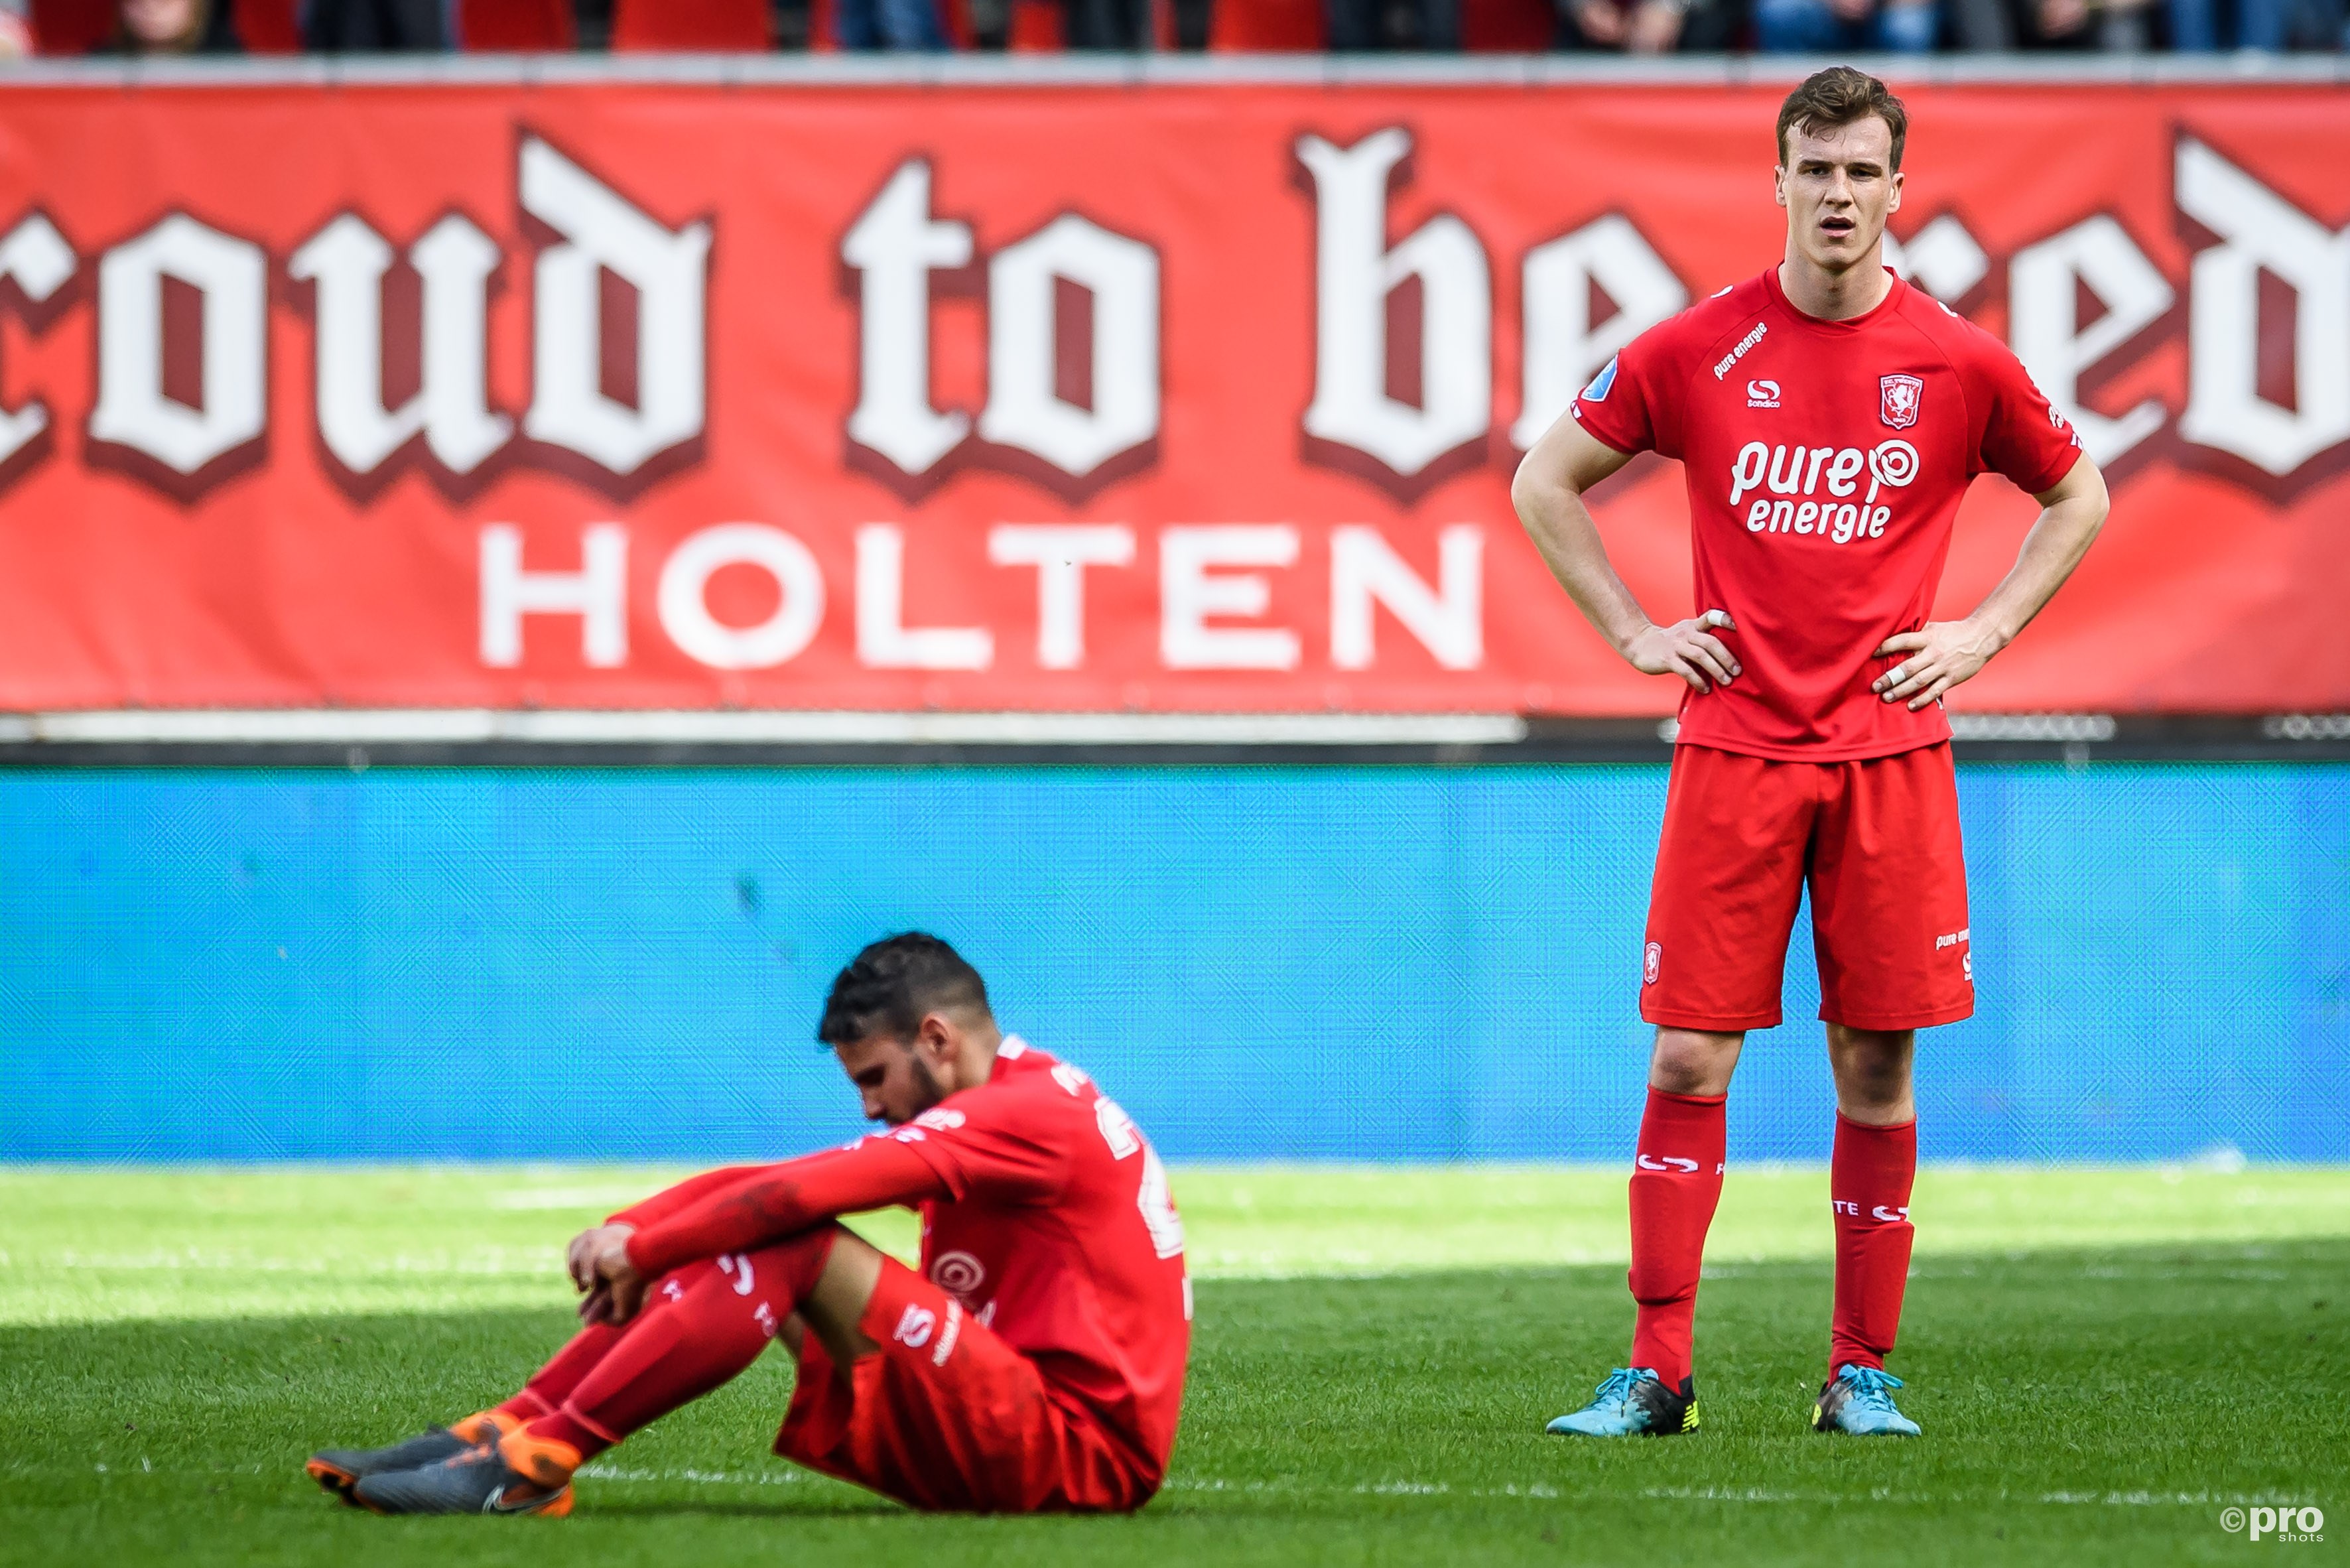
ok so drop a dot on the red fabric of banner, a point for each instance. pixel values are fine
(1181, 398)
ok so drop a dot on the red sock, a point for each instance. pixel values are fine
(701, 1326)
(553, 1383)
(1868, 1185)
(1676, 1182)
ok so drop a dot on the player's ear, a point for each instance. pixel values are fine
(1779, 182)
(1893, 202)
(937, 1038)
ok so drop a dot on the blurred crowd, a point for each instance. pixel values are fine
(1635, 27)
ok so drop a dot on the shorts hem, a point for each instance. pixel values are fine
(1712, 1023)
(1928, 1019)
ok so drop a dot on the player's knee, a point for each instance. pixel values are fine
(765, 1286)
(1686, 1061)
(1871, 1061)
(834, 1304)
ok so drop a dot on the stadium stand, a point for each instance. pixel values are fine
(72, 26)
(718, 25)
(1267, 26)
(1507, 27)
(68, 28)
(274, 27)
(507, 26)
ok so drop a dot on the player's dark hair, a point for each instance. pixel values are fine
(889, 987)
(1839, 95)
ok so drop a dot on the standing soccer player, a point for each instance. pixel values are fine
(1829, 419)
(1036, 1362)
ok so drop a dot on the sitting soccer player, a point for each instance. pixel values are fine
(1034, 1363)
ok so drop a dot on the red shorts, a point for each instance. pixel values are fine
(945, 1415)
(1877, 839)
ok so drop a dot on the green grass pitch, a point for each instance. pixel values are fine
(2103, 1359)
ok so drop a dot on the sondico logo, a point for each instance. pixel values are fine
(1668, 1162)
(1761, 394)
(1882, 1213)
(914, 1329)
(2286, 1524)
(1805, 470)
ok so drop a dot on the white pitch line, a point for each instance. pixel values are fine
(1533, 1492)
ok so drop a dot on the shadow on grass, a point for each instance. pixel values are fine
(1418, 1396)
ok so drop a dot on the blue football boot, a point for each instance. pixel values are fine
(1857, 1400)
(1633, 1402)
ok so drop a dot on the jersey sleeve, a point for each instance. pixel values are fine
(692, 1189)
(1626, 406)
(772, 1203)
(1003, 1144)
(2025, 436)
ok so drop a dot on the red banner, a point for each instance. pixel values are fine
(1094, 399)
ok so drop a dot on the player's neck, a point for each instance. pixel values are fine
(1835, 296)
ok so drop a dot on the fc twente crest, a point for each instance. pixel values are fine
(1899, 399)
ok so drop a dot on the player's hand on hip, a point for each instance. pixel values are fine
(1687, 649)
(585, 1246)
(1934, 659)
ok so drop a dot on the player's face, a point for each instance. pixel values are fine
(893, 1077)
(1838, 186)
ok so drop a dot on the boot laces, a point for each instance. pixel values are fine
(1870, 1387)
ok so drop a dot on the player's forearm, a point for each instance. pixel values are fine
(1561, 528)
(2055, 547)
(782, 1200)
(692, 1189)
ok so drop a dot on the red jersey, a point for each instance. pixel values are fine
(1825, 461)
(1062, 1237)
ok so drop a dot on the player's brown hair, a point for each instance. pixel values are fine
(1839, 95)
(889, 987)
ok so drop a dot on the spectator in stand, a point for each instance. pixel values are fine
(1431, 26)
(1646, 27)
(2119, 25)
(1838, 26)
(1109, 24)
(1982, 26)
(2273, 26)
(888, 24)
(172, 28)
(357, 26)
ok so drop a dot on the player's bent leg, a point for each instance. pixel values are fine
(701, 1326)
(339, 1469)
(938, 1412)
